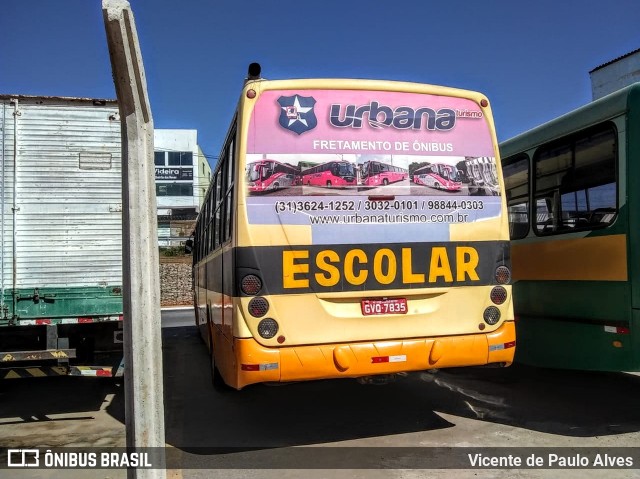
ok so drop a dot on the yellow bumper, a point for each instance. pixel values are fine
(257, 363)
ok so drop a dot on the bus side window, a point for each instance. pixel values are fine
(518, 220)
(577, 176)
(216, 216)
(227, 228)
(544, 218)
(516, 179)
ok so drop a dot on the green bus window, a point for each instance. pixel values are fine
(576, 186)
(516, 179)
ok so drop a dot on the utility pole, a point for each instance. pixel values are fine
(144, 405)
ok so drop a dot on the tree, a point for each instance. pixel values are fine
(415, 165)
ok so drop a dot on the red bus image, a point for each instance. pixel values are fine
(330, 174)
(375, 173)
(439, 176)
(268, 175)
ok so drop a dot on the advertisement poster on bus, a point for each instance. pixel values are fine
(342, 158)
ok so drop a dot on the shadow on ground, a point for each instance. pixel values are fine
(565, 403)
(568, 403)
(55, 398)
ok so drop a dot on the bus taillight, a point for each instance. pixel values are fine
(503, 275)
(259, 367)
(617, 329)
(258, 307)
(250, 367)
(498, 295)
(251, 285)
(498, 347)
(268, 328)
(491, 315)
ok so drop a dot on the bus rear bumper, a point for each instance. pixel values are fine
(257, 363)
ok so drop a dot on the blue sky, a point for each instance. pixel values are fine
(530, 58)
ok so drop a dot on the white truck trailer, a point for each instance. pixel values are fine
(61, 237)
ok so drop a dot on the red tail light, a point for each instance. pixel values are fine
(498, 295)
(258, 307)
(251, 284)
(503, 275)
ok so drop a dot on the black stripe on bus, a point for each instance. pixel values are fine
(300, 269)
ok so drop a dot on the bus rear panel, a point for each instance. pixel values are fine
(317, 281)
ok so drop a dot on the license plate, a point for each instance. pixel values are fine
(384, 306)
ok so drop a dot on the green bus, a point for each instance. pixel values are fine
(573, 195)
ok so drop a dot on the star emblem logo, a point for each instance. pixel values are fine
(296, 113)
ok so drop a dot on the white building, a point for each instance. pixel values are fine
(183, 175)
(616, 74)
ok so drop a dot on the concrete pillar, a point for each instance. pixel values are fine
(144, 405)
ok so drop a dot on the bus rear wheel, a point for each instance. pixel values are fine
(328, 184)
(216, 378)
(385, 182)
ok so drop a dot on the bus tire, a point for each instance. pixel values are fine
(385, 182)
(437, 186)
(328, 184)
(216, 378)
(195, 309)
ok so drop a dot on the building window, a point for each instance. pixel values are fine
(158, 158)
(174, 189)
(180, 158)
(174, 158)
(186, 158)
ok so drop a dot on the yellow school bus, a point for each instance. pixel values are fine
(332, 278)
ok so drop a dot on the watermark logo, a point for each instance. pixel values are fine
(23, 458)
(80, 458)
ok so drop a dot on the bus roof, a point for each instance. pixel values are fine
(588, 115)
(360, 84)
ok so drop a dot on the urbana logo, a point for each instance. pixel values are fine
(296, 113)
(403, 117)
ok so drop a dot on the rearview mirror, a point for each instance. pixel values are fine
(188, 246)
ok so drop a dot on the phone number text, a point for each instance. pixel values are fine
(385, 205)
